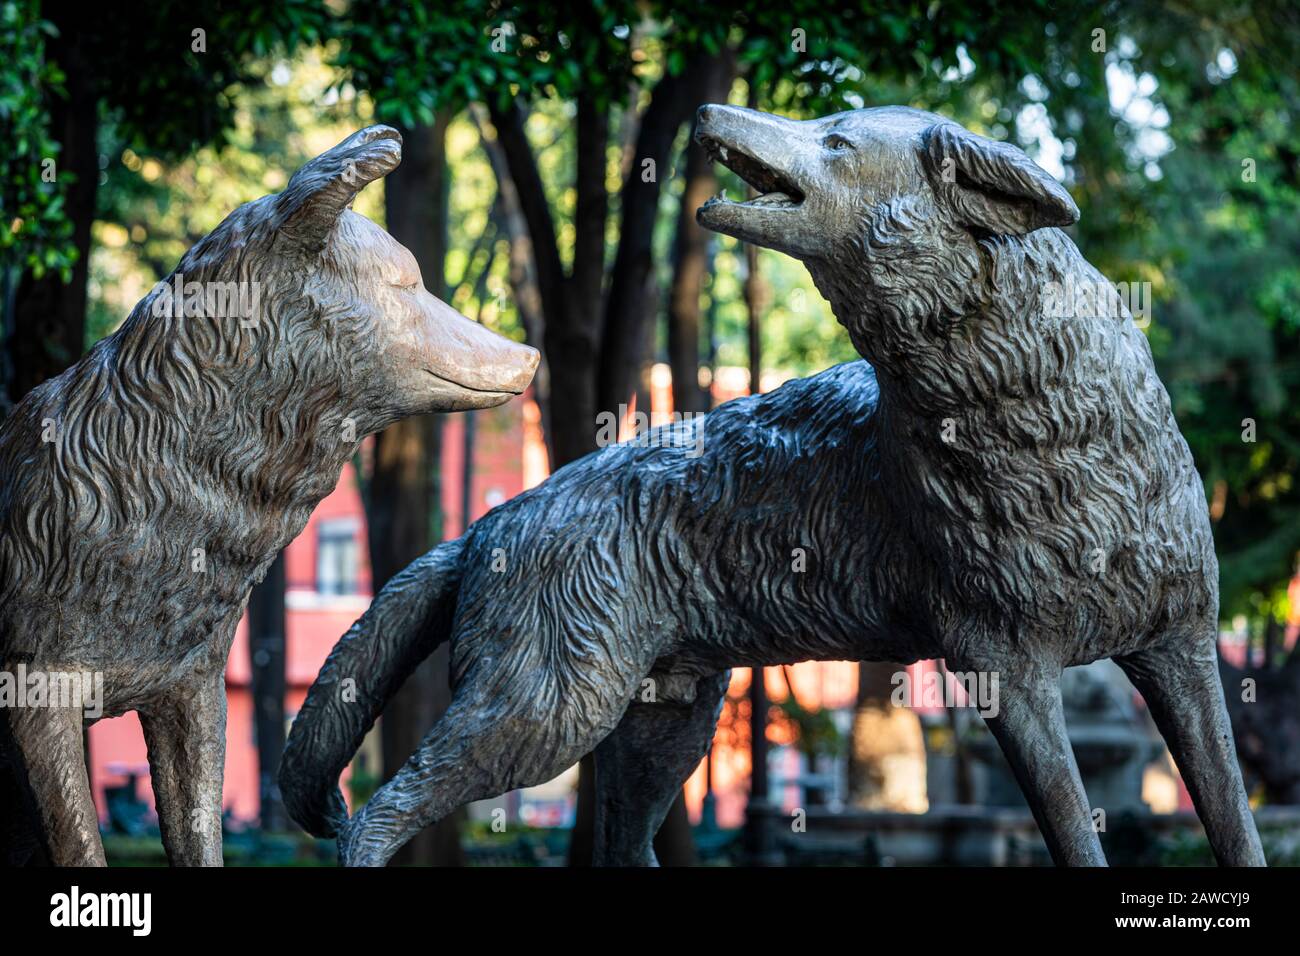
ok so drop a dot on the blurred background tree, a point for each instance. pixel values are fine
(37, 234)
(158, 78)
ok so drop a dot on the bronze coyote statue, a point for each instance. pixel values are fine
(1003, 487)
(145, 490)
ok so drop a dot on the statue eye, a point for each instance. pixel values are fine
(836, 142)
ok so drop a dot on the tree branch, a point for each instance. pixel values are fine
(521, 166)
(673, 102)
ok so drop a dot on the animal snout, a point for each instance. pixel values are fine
(720, 121)
(710, 116)
(524, 362)
(500, 365)
(471, 355)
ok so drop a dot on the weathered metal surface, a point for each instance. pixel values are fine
(1003, 487)
(145, 490)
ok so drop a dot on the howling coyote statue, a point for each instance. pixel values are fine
(1003, 487)
(145, 490)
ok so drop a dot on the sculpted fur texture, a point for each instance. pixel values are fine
(1003, 487)
(145, 490)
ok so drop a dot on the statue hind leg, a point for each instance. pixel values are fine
(642, 765)
(511, 724)
(1180, 683)
(48, 760)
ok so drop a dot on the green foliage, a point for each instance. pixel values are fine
(847, 50)
(1193, 186)
(35, 234)
(1231, 344)
(152, 210)
(806, 56)
(169, 98)
(417, 58)
(166, 76)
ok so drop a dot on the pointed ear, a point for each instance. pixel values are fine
(993, 186)
(319, 192)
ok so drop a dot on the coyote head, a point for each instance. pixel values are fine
(886, 206)
(332, 311)
(235, 391)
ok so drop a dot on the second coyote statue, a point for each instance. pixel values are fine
(145, 490)
(1003, 487)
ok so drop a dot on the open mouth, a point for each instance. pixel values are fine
(775, 189)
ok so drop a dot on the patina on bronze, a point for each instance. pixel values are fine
(1003, 487)
(145, 490)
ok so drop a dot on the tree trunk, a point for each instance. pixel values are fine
(674, 102)
(754, 295)
(627, 310)
(570, 304)
(691, 255)
(50, 316)
(691, 258)
(523, 270)
(644, 382)
(266, 650)
(402, 496)
(594, 341)
(758, 838)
